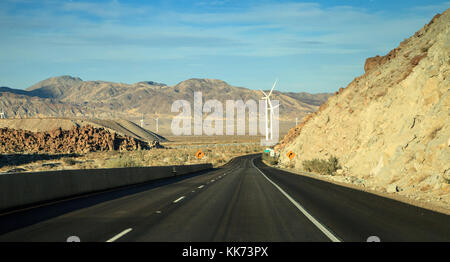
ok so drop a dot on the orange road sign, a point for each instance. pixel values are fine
(199, 154)
(290, 154)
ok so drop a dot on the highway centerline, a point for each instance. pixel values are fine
(119, 235)
(322, 228)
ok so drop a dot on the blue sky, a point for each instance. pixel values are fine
(311, 46)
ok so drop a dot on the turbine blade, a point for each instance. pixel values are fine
(263, 93)
(274, 84)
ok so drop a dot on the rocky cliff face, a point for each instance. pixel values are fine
(390, 127)
(76, 140)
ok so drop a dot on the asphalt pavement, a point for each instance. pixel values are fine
(244, 200)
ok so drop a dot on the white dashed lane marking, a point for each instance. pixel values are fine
(178, 199)
(121, 234)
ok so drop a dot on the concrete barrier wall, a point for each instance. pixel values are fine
(34, 187)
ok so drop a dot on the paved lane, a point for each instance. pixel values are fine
(241, 206)
(243, 201)
(355, 215)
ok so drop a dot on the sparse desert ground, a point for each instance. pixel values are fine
(164, 126)
(179, 151)
(202, 140)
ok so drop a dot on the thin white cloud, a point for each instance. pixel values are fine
(120, 32)
(112, 9)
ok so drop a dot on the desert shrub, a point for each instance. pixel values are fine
(221, 160)
(69, 161)
(121, 162)
(141, 155)
(321, 166)
(291, 164)
(269, 159)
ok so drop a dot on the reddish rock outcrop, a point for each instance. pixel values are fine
(376, 61)
(77, 140)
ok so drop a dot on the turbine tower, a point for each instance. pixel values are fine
(270, 108)
(157, 122)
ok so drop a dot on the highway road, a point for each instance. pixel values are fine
(244, 200)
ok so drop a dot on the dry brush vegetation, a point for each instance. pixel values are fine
(217, 154)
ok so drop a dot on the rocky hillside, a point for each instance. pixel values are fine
(119, 126)
(76, 140)
(389, 128)
(19, 103)
(68, 96)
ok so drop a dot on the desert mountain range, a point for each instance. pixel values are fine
(389, 128)
(68, 96)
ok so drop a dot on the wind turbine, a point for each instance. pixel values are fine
(270, 108)
(157, 119)
(142, 121)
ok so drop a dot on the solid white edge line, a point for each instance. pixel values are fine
(119, 235)
(175, 201)
(299, 207)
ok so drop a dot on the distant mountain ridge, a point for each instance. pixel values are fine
(54, 86)
(68, 96)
